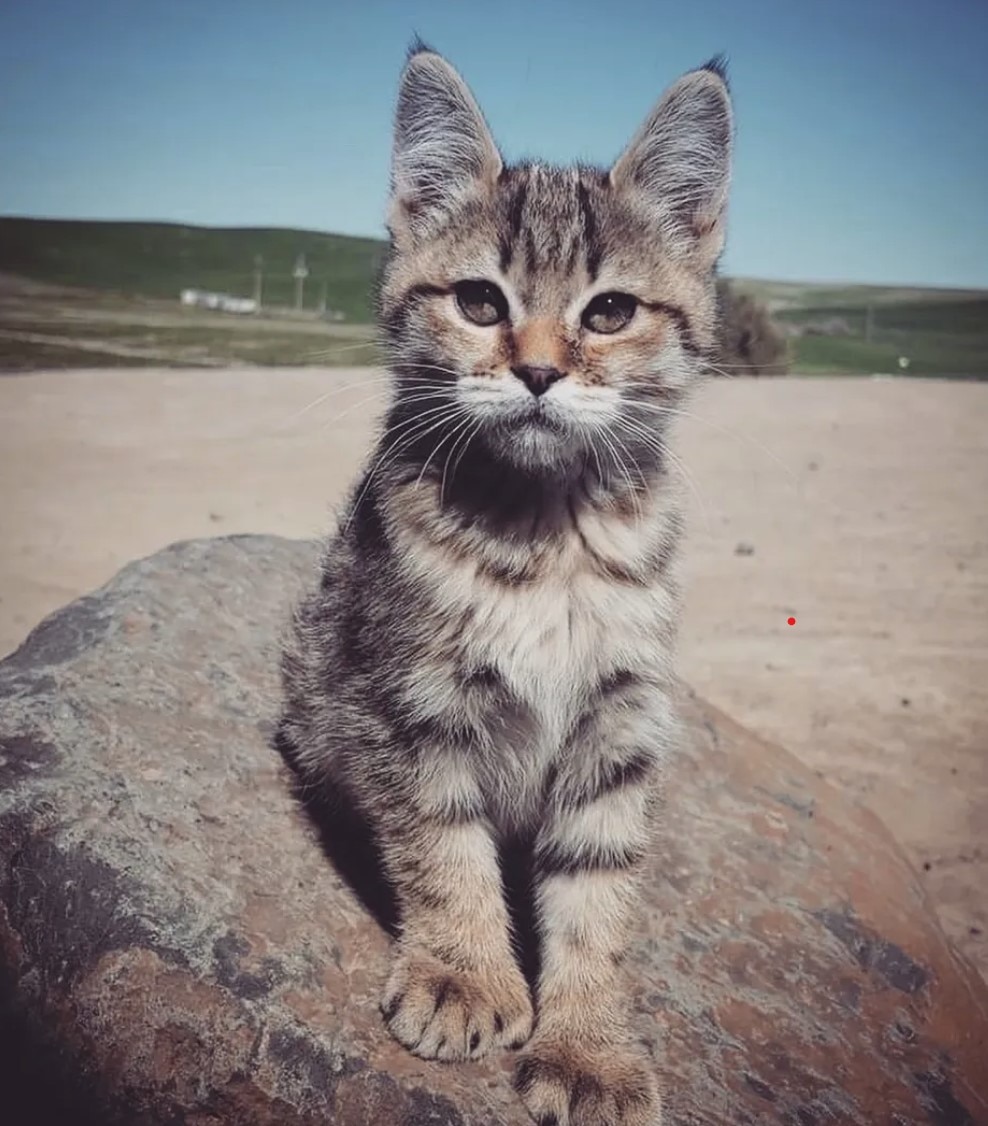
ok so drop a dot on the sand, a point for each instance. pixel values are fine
(859, 507)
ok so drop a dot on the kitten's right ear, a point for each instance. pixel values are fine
(443, 150)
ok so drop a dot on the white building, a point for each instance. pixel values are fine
(221, 301)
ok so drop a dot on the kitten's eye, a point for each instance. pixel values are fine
(608, 312)
(481, 302)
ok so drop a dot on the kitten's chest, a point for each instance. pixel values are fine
(523, 632)
(551, 642)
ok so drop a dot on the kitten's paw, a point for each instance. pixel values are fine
(439, 1012)
(562, 1085)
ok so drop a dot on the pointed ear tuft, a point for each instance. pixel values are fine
(718, 65)
(443, 150)
(679, 163)
(418, 46)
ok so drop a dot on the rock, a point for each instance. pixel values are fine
(177, 948)
(744, 549)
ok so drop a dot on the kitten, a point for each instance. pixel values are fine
(488, 657)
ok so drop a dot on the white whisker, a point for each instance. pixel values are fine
(439, 445)
(662, 450)
(463, 431)
(416, 428)
(470, 437)
(424, 397)
(329, 353)
(606, 434)
(737, 435)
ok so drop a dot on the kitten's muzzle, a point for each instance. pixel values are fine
(538, 379)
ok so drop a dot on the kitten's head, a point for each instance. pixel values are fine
(550, 314)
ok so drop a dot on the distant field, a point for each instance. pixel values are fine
(161, 259)
(939, 331)
(81, 293)
(46, 326)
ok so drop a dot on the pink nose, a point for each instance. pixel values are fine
(538, 379)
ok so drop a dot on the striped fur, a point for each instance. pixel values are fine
(488, 656)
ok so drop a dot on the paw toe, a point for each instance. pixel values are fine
(439, 1012)
(573, 1089)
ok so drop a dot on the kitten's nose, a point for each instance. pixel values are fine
(538, 379)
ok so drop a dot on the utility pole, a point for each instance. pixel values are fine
(301, 272)
(322, 299)
(869, 322)
(258, 279)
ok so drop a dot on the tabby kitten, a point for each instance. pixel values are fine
(488, 658)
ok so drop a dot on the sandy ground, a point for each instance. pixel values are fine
(863, 505)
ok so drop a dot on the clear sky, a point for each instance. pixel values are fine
(862, 150)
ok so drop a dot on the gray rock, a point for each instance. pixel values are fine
(177, 946)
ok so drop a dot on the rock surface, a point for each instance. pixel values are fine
(177, 947)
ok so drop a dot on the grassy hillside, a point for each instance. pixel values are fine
(939, 334)
(867, 328)
(780, 295)
(50, 326)
(160, 259)
(133, 273)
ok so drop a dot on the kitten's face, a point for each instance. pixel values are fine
(550, 313)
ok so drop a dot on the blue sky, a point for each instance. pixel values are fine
(862, 148)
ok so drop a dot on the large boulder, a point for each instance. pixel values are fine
(178, 946)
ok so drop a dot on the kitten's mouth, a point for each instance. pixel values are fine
(536, 415)
(539, 418)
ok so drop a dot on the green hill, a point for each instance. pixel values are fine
(778, 295)
(854, 329)
(161, 259)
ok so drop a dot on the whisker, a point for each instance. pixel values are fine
(634, 461)
(381, 383)
(418, 427)
(321, 399)
(439, 445)
(329, 353)
(461, 431)
(605, 435)
(425, 397)
(380, 378)
(663, 451)
(436, 417)
(384, 378)
(737, 435)
(588, 442)
(408, 365)
(470, 437)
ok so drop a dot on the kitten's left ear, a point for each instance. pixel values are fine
(443, 149)
(679, 163)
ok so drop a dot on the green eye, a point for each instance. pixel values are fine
(481, 302)
(609, 312)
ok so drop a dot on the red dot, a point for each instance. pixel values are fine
(791, 621)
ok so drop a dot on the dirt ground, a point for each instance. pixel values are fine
(859, 507)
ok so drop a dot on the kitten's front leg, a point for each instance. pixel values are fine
(455, 989)
(582, 1066)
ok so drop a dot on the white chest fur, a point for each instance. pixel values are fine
(553, 641)
(552, 637)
